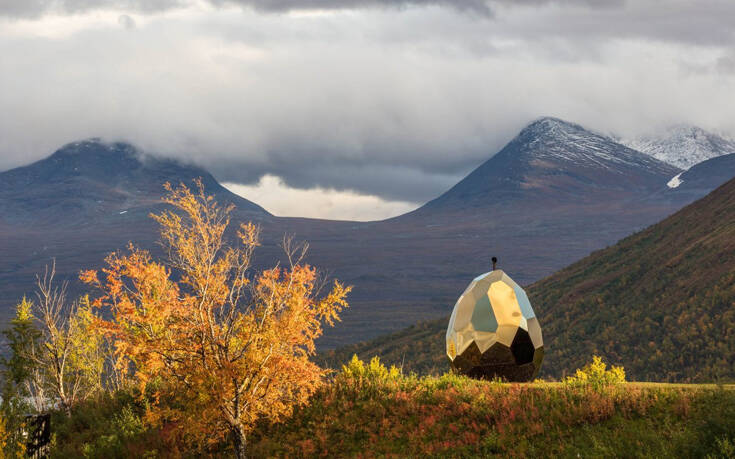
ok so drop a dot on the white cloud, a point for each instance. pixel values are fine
(379, 102)
(281, 200)
(126, 21)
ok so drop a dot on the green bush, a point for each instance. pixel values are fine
(105, 427)
(367, 379)
(596, 375)
(711, 432)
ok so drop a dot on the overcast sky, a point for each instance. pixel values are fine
(355, 109)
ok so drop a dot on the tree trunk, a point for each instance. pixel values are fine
(239, 442)
(65, 404)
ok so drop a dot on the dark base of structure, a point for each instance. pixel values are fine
(510, 373)
(514, 364)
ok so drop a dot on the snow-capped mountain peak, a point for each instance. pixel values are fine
(554, 139)
(682, 145)
(555, 160)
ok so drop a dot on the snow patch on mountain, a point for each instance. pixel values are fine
(682, 145)
(676, 181)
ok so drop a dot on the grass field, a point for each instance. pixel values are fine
(638, 385)
(371, 412)
(368, 410)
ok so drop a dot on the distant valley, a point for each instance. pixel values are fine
(554, 194)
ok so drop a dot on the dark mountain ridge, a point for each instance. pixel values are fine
(92, 179)
(701, 178)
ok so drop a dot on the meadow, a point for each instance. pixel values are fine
(368, 410)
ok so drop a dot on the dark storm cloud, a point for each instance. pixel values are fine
(390, 180)
(704, 22)
(477, 6)
(36, 8)
(383, 180)
(701, 22)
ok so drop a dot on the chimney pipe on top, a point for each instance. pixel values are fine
(495, 261)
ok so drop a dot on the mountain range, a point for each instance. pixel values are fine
(661, 303)
(554, 194)
(682, 145)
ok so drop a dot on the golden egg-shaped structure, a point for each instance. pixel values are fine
(493, 331)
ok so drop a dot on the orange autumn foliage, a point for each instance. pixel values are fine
(221, 345)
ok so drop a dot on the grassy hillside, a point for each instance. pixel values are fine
(459, 417)
(660, 302)
(370, 411)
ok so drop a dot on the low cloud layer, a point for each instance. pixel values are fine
(281, 200)
(393, 103)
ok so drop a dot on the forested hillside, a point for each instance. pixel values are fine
(660, 302)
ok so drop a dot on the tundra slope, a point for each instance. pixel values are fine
(660, 302)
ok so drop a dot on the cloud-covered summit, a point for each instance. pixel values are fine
(397, 100)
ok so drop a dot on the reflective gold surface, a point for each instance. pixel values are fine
(493, 331)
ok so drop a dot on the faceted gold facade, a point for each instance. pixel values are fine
(493, 331)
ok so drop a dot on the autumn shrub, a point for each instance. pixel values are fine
(596, 375)
(3, 433)
(367, 379)
(211, 344)
(228, 344)
(107, 426)
(11, 443)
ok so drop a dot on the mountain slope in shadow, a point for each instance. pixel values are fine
(660, 302)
